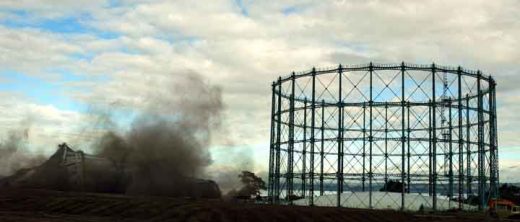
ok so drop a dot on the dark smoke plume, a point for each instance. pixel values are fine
(14, 154)
(164, 151)
(167, 146)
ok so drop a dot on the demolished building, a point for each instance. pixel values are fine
(70, 170)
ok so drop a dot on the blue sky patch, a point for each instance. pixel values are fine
(59, 25)
(290, 10)
(41, 91)
(242, 7)
(62, 25)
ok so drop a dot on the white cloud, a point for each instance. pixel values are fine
(31, 51)
(47, 125)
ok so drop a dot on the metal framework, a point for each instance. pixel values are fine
(339, 135)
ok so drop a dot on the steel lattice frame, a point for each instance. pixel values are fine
(351, 129)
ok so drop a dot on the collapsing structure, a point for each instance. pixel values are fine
(340, 135)
(73, 170)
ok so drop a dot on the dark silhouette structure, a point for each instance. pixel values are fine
(70, 170)
(351, 129)
(392, 186)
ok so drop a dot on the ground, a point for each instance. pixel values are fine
(41, 205)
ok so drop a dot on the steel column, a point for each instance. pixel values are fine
(450, 152)
(313, 138)
(271, 145)
(469, 177)
(363, 176)
(408, 148)
(290, 158)
(481, 180)
(430, 154)
(340, 140)
(461, 140)
(278, 141)
(403, 138)
(304, 153)
(322, 150)
(386, 144)
(434, 131)
(493, 140)
(370, 139)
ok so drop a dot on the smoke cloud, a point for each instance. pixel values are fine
(226, 174)
(13, 151)
(164, 150)
(167, 146)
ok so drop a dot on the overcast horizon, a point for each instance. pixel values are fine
(65, 66)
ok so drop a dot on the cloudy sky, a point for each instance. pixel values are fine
(61, 62)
